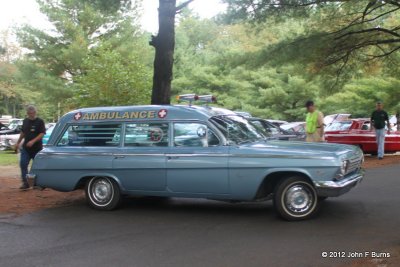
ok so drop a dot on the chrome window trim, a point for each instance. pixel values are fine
(209, 125)
(143, 122)
(67, 125)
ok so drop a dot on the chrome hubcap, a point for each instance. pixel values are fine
(102, 191)
(298, 199)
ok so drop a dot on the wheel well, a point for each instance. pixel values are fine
(270, 182)
(82, 182)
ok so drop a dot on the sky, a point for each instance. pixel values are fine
(27, 11)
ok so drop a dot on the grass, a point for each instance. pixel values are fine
(8, 158)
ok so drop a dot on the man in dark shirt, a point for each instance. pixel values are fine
(380, 118)
(33, 130)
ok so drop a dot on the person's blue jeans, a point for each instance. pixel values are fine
(24, 160)
(380, 141)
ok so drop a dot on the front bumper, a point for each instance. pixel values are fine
(337, 188)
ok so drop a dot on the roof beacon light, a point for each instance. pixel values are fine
(207, 98)
(187, 97)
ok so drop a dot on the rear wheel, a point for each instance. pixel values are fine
(102, 193)
(295, 199)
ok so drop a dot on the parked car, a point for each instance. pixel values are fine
(13, 128)
(336, 117)
(278, 123)
(190, 151)
(5, 119)
(8, 141)
(272, 131)
(297, 128)
(49, 130)
(244, 114)
(358, 132)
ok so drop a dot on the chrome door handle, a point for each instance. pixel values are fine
(172, 157)
(119, 156)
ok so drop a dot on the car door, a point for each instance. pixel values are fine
(81, 150)
(197, 162)
(363, 135)
(141, 163)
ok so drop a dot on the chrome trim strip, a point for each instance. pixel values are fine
(359, 135)
(76, 154)
(184, 155)
(277, 156)
(198, 155)
(137, 154)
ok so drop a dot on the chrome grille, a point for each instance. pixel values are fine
(355, 164)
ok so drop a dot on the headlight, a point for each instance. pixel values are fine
(343, 169)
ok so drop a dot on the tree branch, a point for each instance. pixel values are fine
(183, 5)
(369, 30)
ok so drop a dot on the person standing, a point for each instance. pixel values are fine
(314, 123)
(380, 118)
(33, 130)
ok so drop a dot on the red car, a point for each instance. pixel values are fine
(358, 132)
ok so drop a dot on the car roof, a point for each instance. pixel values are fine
(350, 120)
(144, 113)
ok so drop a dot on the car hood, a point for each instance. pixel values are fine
(301, 148)
(9, 131)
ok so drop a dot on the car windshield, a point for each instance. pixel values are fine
(268, 129)
(339, 126)
(236, 129)
(13, 125)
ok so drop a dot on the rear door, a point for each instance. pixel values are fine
(141, 163)
(81, 150)
(197, 163)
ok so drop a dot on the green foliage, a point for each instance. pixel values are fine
(113, 78)
(264, 69)
(359, 96)
(94, 55)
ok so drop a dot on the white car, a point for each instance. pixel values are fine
(8, 141)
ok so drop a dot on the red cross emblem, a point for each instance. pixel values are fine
(78, 116)
(162, 113)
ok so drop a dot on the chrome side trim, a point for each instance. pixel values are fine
(278, 156)
(197, 155)
(76, 154)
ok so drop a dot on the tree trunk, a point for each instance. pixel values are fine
(164, 44)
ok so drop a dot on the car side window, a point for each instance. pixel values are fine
(91, 135)
(366, 126)
(194, 135)
(146, 134)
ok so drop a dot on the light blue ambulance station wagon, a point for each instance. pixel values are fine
(190, 151)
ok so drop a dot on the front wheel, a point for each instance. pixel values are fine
(103, 193)
(295, 199)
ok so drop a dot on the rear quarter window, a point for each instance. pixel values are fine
(91, 135)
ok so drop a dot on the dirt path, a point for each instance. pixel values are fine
(14, 202)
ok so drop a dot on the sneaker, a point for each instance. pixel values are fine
(24, 186)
